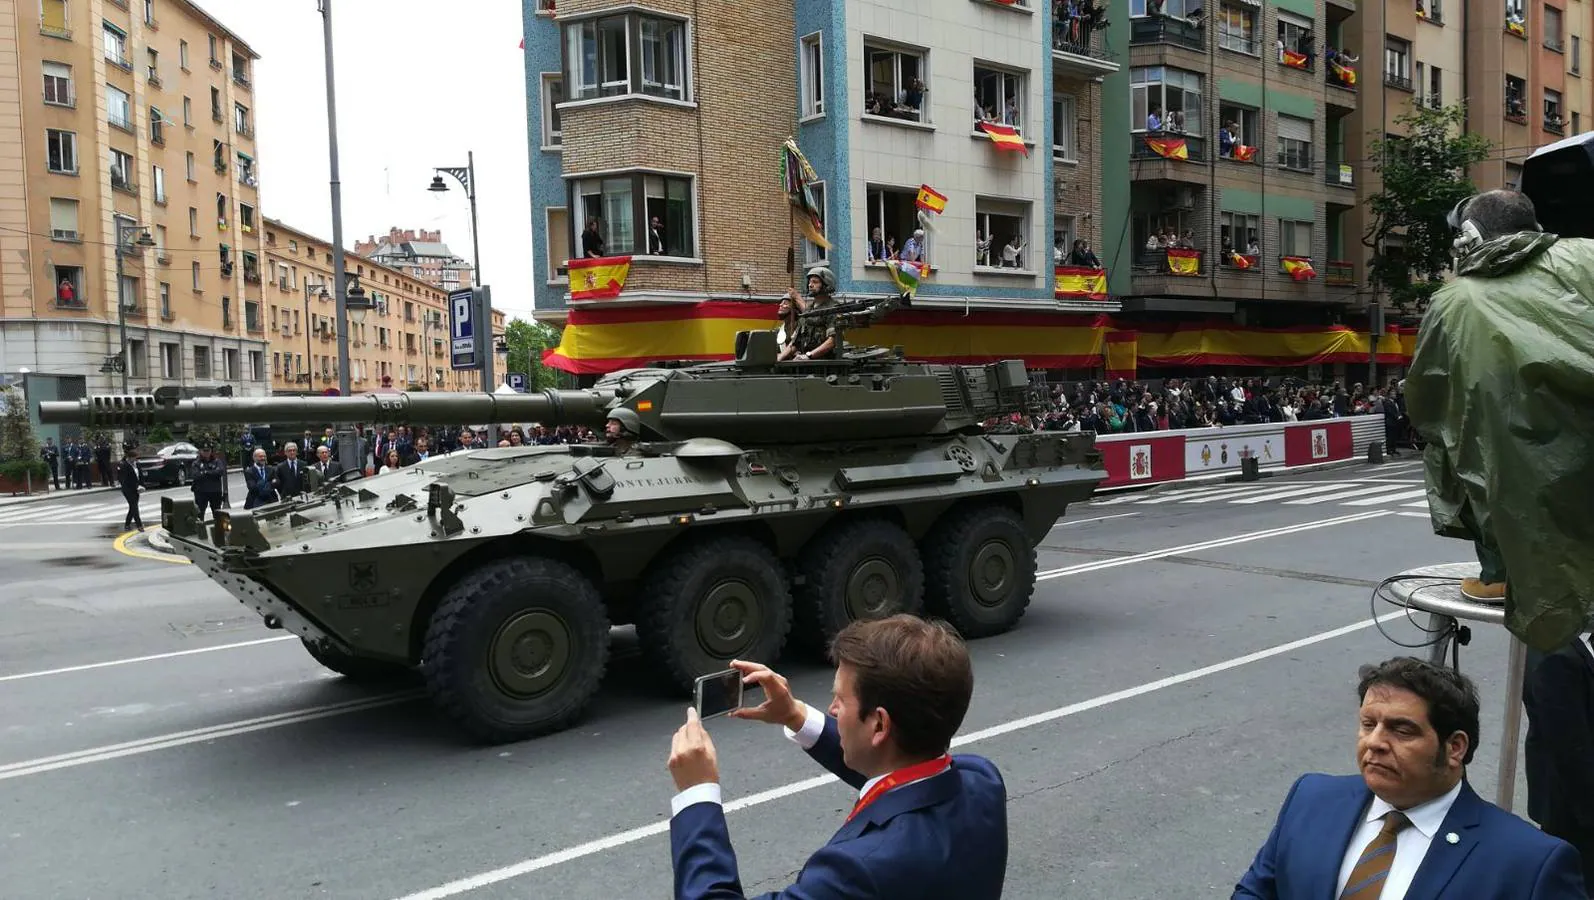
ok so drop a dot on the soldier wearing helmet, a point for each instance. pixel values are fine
(623, 429)
(816, 338)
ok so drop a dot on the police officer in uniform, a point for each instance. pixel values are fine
(623, 430)
(816, 338)
(209, 475)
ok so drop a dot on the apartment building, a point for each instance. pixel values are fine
(422, 254)
(401, 344)
(635, 130)
(136, 145)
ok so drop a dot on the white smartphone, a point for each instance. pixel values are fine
(718, 693)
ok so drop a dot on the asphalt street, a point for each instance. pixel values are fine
(1189, 653)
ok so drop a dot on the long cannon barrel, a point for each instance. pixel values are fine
(550, 407)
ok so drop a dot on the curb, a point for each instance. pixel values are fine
(55, 495)
(151, 545)
(157, 539)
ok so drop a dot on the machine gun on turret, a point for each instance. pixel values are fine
(856, 313)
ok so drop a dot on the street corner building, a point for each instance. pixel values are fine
(1213, 160)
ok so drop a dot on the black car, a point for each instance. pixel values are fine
(166, 464)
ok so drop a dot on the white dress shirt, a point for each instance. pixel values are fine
(1411, 845)
(1588, 640)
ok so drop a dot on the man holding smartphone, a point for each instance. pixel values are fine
(925, 825)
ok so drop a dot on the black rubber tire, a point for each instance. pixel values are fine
(849, 570)
(675, 592)
(557, 605)
(354, 668)
(985, 544)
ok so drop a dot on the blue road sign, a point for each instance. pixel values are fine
(516, 380)
(462, 328)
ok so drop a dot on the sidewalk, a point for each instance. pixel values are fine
(62, 494)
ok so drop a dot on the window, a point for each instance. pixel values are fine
(893, 81)
(158, 183)
(1397, 63)
(116, 46)
(1295, 143)
(166, 305)
(52, 18)
(1576, 52)
(197, 286)
(157, 126)
(61, 151)
(812, 74)
(240, 118)
(58, 84)
(122, 170)
(1516, 91)
(1176, 9)
(63, 219)
(129, 294)
(152, 66)
(1165, 99)
(1295, 238)
(171, 360)
(1237, 29)
(1295, 35)
(1005, 223)
(246, 217)
(214, 59)
(1553, 120)
(215, 104)
(892, 218)
(1436, 83)
(118, 108)
(149, 12)
(1062, 238)
(182, 54)
(137, 358)
(553, 94)
(193, 222)
(1239, 126)
(998, 97)
(558, 242)
(188, 112)
(1238, 233)
(70, 293)
(630, 207)
(813, 254)
(626, 54)
(188, 163)
(1577, 122)
(1552, 27)
(160, 242)
(201, 363)
(1063, 126)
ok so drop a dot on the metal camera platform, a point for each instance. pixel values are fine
(1436, 590)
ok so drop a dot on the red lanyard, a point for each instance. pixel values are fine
(900, 777)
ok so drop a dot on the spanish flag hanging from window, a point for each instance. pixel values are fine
(1515, 27)
(1346, 74)
(1184, 262)
(1299, 267)
(1170, 148)
(1239, 260)
(1293, 60)
(1081, 283)
(1244, 153)
(931, 199)
(1005, 137)
(598, 277)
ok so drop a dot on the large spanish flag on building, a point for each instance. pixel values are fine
(1171, 148)
(1005, 137)
(1081, 283)
(1184, 262)
(1223, 344)
(597, 277)
(1299, 267)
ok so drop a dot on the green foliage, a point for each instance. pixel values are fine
(160, 434)
(527, 341)
(1424, 174)
(18, 442)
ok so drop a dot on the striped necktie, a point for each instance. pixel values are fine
(1372, 870)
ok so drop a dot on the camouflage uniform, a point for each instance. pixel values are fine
(811, 332)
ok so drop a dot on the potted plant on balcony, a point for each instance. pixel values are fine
(22, 469)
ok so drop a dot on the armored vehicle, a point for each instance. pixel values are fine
(741, 502)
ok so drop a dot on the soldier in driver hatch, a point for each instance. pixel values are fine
(816, 337)
(623, 430)
(209, 476)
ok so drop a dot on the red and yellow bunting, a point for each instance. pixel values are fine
(1298, 267)
(598, 277)
(1184, 262)
(1081, 283)
(1168, 148)
(1005, 137)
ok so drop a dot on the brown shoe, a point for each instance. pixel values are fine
(1481, 592)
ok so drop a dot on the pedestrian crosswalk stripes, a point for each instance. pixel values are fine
(75, 514)
(1409, 494)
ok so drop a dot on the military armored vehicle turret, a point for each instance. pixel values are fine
(755, 495)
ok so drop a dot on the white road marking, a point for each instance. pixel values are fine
(138, 659)
(1204, 545)
(1414, 515)
(1296, 491)
(1197, 496)
(1359, 492)
(526, 867)
(1388, 498)
(1067, 522)
(197, 735)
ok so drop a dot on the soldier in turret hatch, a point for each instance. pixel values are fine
(817, 336)
(623, 429)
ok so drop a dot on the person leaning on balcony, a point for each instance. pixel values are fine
(1501, 388)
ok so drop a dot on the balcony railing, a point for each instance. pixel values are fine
(1554, 124)
(1075, 40)
(241, 79)
(120, 121)
(1340, 272)
(1395, 80)
(1339, 173)
(1165, 30)
(1140, 142)
(116, 59)
(64, 34)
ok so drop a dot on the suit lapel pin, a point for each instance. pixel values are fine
(1452, 838)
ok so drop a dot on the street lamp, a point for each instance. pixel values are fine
(467, 180)
(123, 248)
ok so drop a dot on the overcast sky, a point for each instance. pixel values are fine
(418, 84)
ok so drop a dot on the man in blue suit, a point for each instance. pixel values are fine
(1409, 827)
(926, 824)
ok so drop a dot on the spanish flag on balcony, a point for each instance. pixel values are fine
(1184, 262)
(1240, 260)
(1299, 267)
(907, 275)
(1293, 60)
(598, 277)
(1244, 153)
(1081, 283)
(1346, 74)
(1005, 137)
(1515, 27)
(1171, 148)
(931, 199)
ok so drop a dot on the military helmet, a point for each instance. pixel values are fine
(827, 280)
(630, 422)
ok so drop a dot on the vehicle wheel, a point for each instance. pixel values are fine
(979, 570)
(862, 569)
(516, 649)
(354, 668)
(182, 475)
(720, 599)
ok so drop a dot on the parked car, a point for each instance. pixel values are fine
(166, 464)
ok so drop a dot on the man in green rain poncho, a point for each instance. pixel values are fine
(1502, 387)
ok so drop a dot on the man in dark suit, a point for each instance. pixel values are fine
(325, 466)
(288, 478)
(926, 825)
(258, 481)
(1409, 827)
(127, 478)
(1559, 757)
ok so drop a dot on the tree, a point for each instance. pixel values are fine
(527, 341)
(1424, 175)
(19, 445)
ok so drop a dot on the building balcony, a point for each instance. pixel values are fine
(1397, 81)
(1554, 124)
(1339, 273)
(1343, 82)
(1341, 175)
(1181, 157)
(1078, 50)
(1166, 30)
(1346, 6)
